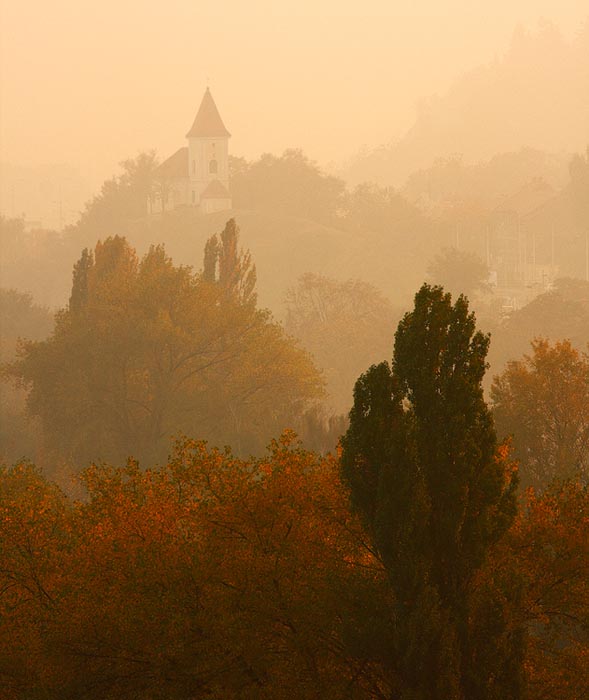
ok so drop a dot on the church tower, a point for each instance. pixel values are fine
(208, 157)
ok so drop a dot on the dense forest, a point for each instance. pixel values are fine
(243, 459)
(294, 379)
(406, 564)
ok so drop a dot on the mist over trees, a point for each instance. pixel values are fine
(521, 99)
(404, 569)
(20, 319)
(543, 400)
(459, 272)
(343, 325)
(558, 314)
(240, 457)
(145, 350)
(368, 233)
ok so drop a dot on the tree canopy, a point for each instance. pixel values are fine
(436, 492)
(208, 577)
(122, 198)
(20, 318)
(344, 325)
(542, 400)
(290, 183)
(145, 350)
(399, 570)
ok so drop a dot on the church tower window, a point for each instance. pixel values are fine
(193, 167)
(213, 167)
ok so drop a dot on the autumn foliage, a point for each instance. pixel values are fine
(146, 350)
(407, 567)
(543, 400)
(210, 577)
(222, 578)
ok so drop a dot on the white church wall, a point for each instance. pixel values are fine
(202, 151)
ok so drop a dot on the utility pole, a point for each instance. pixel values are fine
(60, 210)
(525, 241)
(587, 255)
(520, 273)
(552, 252)
(487, 247)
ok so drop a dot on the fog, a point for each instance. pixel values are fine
(294, 350)
(85, 86)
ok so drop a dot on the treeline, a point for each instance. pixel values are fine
(146, 349)
(375, 233)
(404, 567)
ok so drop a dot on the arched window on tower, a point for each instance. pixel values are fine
(213, 167)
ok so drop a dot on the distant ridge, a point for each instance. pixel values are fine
(536, 96)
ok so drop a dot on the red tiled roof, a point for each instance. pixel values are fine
(215, 190)
(208, 121)
(174, 166)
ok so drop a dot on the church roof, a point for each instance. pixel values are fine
(208, 121)
(215, 190)
(174, 166)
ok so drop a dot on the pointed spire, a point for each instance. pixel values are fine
(208, 121)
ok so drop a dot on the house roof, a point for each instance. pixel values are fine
(215, 190)
(208, 121)
(174, 166)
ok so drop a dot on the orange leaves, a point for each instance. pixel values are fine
(34, 531)
(550, 543)
(543, 400)
(211, 575)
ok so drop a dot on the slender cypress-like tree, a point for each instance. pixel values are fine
(230, 267)
(422, 460)
(79, 294)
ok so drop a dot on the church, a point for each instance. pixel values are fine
(197, 175)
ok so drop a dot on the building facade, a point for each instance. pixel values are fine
(197, 175)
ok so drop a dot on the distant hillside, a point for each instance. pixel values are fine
(486, 183)
(536, 96)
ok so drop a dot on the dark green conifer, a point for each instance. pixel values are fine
(421, 460)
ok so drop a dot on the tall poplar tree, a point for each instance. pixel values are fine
(422, 460)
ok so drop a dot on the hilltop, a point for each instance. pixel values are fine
(535, 96)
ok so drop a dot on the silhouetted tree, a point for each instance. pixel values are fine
(421, 457)
(121, 199)
(229, 267)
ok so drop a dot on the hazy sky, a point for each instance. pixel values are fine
(90, 83)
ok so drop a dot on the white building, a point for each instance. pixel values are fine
(197, 175)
